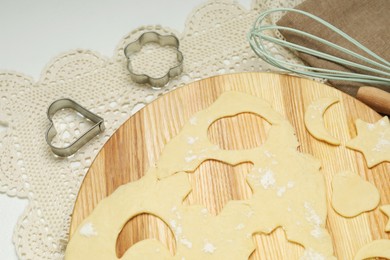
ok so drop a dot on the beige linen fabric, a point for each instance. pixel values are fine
(365, 20)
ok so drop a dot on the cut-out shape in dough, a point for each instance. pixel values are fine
(243, 131)
(386, 210)
(288, 192)
(352, 195)
(146, 195)
(216, 183)
(377, 248)
(373, 140)
(314, 120)
(144, 225)
(280, 250)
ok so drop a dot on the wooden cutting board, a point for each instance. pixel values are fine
(138, 143)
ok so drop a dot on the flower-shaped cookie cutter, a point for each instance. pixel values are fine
(162, 40)
(97, 128)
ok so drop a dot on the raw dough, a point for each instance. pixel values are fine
(314, 120)
(300, 209)
(377, 248)
(352, 195)
(386, 209)
(373, 140)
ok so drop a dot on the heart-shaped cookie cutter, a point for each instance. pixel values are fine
(162, 40)
(97, 128)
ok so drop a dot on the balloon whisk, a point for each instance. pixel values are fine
(372, 68)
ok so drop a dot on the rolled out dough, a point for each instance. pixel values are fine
(300, 209)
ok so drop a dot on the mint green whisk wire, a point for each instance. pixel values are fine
(258, 38)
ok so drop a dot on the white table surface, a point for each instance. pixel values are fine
(32, 32)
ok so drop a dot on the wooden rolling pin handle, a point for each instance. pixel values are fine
(377, 99)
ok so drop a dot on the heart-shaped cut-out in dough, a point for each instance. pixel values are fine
(352, 195)
(84, 138)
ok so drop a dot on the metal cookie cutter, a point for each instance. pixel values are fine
(162, 40)
(73, 147)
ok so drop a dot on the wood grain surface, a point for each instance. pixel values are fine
(138, 143)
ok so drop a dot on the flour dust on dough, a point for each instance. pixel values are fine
(314, 119)
(288, 192)
(352, 195)
(373, 140)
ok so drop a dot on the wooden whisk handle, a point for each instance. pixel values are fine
(377, 99)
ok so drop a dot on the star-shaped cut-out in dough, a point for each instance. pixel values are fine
(386, 210)
(373, 140)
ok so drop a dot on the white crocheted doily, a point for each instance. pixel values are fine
(213, 42)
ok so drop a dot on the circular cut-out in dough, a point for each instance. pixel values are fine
(352, 195)
(377, 248)
(314, 120)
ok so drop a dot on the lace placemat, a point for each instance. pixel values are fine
(213, 42)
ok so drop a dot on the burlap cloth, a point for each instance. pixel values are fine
(365, 20)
